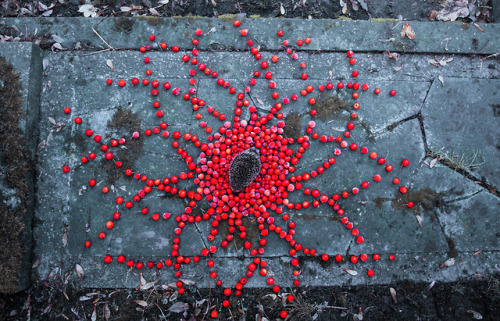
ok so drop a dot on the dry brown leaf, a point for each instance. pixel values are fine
(282, 9)
(351, 272)
(52, 121)
(179, 307)
(355, 5)
(154, 12)
(65, 238)
(431, 285)
(433, 162)
(187, 282)
(433, 15)
(94, 315)
(143, 280)
(448, 263)
(148, 285)
(475, 315)
(109, 63)
(107, 312)
(57, 46)
(478, 27)
(477, 252)
(79, 271)
(419, 220)
(391, 55)
(214, 3)
(408, 31)
(40, 147)
(211, 30)
(142, 303)
(35, 264)
(441, 79)
(444, 61)
(88, 10)
(454, 10)
(363, 4)
(270, 295)
(393, 295)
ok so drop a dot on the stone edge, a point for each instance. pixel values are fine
(333, 35)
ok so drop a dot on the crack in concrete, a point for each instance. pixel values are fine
(481, 182)
(201, 235)
(451, 244)
(463, 198)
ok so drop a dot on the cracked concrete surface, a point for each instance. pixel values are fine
(453, 215)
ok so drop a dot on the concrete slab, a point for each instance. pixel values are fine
(327, 35)
(462, 208)
(472, 110)
(391, 126)
(18, 176)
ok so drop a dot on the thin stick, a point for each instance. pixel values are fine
(94, 53)
(493, 55)
(332, 307)
(102, 39)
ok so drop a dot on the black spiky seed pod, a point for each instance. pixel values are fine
(244, 168)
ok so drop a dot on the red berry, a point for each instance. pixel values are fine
(283, 314)
(370, 273)
(392, 92)
(67, 110)
(152, 38)
(78, 120)
(405, 162)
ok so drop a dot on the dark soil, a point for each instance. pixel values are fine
(328, 105)
(52, 300)
(15, 163)
(292, 125)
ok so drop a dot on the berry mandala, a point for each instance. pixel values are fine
(251, 160)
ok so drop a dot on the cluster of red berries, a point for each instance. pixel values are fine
(263, 197)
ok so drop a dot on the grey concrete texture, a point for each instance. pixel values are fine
(454, 217)
(469, 116)
(26, 59)
(327, 35)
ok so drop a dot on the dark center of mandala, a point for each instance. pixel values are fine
(244, 168)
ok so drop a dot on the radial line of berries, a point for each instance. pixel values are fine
(266, 198)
